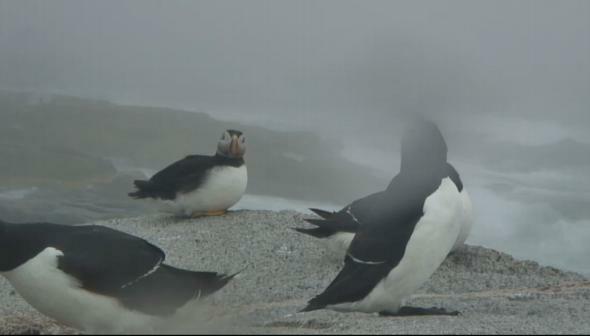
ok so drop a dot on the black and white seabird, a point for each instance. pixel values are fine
(97, 279)
(198, 184)
(337, 228)
(402, 234)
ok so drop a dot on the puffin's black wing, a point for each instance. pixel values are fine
(104, 260)
(380, 242)
(183, 175)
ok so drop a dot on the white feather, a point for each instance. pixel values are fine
(59, 296)
(338, 243)
(433, 237)
(223, 187)
(466, 220)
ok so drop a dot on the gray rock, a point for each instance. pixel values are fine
(281, 270)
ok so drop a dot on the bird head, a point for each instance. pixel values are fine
(232, 144)
(423, 146)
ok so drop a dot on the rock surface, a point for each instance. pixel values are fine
(282, 269)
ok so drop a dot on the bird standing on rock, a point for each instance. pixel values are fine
(201, 185)
(403, 234)
(337, 229)
(97, 279)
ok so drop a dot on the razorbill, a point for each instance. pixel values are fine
(337, 228)
(402, 234)
(198, 184)
(97, 279)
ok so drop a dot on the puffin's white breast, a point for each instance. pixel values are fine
(223, 187)
(59, 296)
(430, 242)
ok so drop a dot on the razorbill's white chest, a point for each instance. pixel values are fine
(201, 185)
(466, 220)
(403, 234)
(97, 279)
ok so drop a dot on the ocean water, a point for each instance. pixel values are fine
(17, 194)
(124, 166)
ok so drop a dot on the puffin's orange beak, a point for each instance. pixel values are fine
(234, 146)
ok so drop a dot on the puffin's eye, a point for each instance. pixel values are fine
(242, 139)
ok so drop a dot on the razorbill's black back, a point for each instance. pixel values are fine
(403, 235)
(337, 229)
(199, 184)
(95, 278)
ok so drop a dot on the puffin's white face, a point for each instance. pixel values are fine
(232, 144)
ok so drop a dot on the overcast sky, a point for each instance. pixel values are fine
(507, 81)
(307, 62)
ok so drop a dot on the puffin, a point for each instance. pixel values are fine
(201, 185)
(336, 229)
(98, 279)
(403, 233)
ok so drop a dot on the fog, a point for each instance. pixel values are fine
(508, 82)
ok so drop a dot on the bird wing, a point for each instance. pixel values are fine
(374, 252)
(183, 175)
(346, 220)
(168, 288)
(104, 260)
(379, 244)
(354, 282)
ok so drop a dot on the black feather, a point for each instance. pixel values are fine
(182, 176)
(169, 288)
(323, 213)
(111, 263)
(316, 232)
(386, 220)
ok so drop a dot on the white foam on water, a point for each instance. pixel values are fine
(16, 194)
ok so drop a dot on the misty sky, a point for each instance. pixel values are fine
(507, 81)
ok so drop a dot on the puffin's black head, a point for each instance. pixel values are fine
(423, 146)
(232, 144)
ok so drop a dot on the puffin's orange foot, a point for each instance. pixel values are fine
(216, 213)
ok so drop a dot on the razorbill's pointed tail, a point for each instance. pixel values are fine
(324, 227)
(322, 213)
(315, 232)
